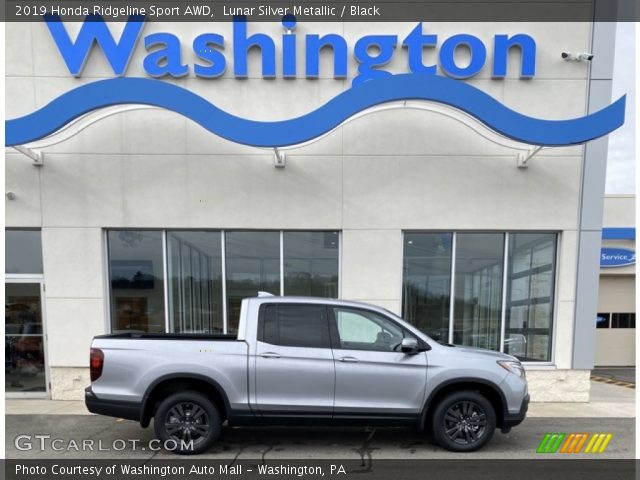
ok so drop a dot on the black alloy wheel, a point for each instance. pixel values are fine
(463, 421)
(187, 423)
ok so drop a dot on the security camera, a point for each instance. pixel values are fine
(577, 57)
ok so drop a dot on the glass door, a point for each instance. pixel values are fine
(24, 361)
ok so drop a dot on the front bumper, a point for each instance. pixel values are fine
(111, 408)
(513, 419)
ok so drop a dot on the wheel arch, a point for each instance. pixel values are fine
(175, 382)
(488, 389)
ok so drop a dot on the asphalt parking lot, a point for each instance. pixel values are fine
(112, 438)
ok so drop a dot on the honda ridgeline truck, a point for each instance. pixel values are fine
(305, 361)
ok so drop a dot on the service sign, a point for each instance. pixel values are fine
(617, 257)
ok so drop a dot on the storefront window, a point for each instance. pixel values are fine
(252, 265)
(311, 264)
(530, 296)
(136, 280)
(24, 363)
(427, 282)
(23, 251)
(478, 279)
(478, 289)
(203, 273)
(195, 282)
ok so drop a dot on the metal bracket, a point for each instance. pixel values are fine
(524, 157)
(279, 158)
(36, 155)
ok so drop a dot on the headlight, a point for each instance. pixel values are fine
(514, 367)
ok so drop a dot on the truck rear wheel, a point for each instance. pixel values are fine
(187, 423)
(463, 421)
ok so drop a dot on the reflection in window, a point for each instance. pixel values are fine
(478, 289)
(196, 287)
(23, 251)
(252, 265)
(427, 282)
(623, 320)
(364, 330)
(530, 296)
(136, 280)
(311, 264)
(478, 279)
(24, 365)
(602, 320)
(195, 282)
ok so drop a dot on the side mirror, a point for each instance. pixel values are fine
(409, 345)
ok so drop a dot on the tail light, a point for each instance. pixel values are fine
(96, 361)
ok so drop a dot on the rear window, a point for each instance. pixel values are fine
(294, 326)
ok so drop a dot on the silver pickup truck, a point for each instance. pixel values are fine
(305, 361)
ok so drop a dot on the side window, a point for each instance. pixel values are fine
(362, 330)
(294, 326)
(602, 320)
(623, 320)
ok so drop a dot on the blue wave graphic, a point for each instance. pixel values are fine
(465, 97)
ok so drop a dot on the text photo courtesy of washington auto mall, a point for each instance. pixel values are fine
(320, 239)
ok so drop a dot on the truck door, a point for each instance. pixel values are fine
(373, 377)
(295, 372)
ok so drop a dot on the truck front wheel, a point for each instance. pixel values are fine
(463, 421)
(187, 423)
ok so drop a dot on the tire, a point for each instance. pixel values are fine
(186, 416)
(463, 421)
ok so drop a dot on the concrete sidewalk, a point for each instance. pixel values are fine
(607, 401)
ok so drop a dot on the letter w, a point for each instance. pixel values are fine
(94, 29)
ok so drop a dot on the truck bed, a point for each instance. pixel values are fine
(135, 361)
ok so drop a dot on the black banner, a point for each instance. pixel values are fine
(186, 467)
(330, 10)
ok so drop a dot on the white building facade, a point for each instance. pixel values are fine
(144, 220)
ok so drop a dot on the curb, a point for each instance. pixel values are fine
(613, 381)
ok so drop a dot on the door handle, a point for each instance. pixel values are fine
(270, 355)
(349, 359)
